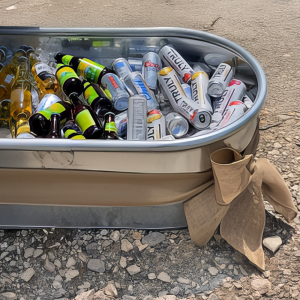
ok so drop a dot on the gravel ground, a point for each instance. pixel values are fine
(59, 264)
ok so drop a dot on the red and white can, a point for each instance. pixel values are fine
(151, 65)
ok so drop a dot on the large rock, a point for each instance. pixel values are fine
(164, 277)
(261, 285)
(115, 236)
(89, 295)
(8, 295)
(213, 271)
(126, 246)
(37, 253)
(70, 274)
(26, 276)
(96, 265)
(134, 269)
(272, 243)
(49, 266)
(153, 239)
(28, 252)
(110, 290)
(71, 262)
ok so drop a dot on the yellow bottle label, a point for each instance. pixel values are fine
(55, 108)
(66, 59)
(69, 132)
(111, 127)
(78, 137)
(84, 120)
(89, 70)
(65, 73)
(90, 95)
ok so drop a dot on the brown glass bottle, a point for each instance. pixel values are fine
(88, 69)
(72, 131)
(86, 119)
(110, 128)
(54, 132)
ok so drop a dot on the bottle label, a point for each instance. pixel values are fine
(84, 120)
(64, 74)
(39, 68)
(55, 108)
(8, 79)
(111, 127)
(69, 132)
(90, 95)
(89, 70)
(78, 137)
(66, 59)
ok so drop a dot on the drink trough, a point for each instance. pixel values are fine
(111, 183)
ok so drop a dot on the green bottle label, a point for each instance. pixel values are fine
(78, 137)
(66, 59)
(64, 74)
(55, 108)
(111, 127)
(89, 70)
(69, 132)
(84, 120)
(90, 95)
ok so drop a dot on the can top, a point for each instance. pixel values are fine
(165, 71)
(194, 76)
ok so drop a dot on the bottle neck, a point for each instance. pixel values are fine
(33, 59)
(55, 125)
(75, 99)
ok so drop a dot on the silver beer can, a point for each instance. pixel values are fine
(235, 91)
(119, 96)
(156, 125)
(198, 117)
(121, 123)
(137, 118)
(247, 101)
(171, 57)
(151, 65)
(135, 64)
(220, 79)
(122, 67)
(187, 90)
(177, 125)
(136, 85)
(199, 85)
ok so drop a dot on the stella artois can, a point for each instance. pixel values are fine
(199, 85)
(171, 57)
(156, 125)
(169, 81)
(151, 66)
(220, 79)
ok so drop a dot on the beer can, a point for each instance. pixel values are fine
(156, 125)
(121, 123)
(136, 85)
(187, 90)
(122, 67)
(220, 79)
(46, 102)
(177, 125)
(168, 138)
(234, 111)
(151, 64)
(116, 88)
(137, 118)
(135, 64)
(199, 85)
(169, 81)
(235, 91)
(171, 57)
(247, 101)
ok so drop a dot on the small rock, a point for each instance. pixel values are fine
(71, 262)
(51, 256)
(134, 269)
(57, 263)
(115, 236)
(57, 285)
(89, 295)
(11, 248)
(86, 285)
(261, 285)
(284, 117)
(28, 252)
(277, 145)
(26, 276)
(8, 295)
(3, 254)
(151, 276)
(126, 246)
(4, 245)
(256, 295)
(71, 274)
(58, 278)
(91, 247)
(106, 243)
(274, 152)
(162, 294)
(183, 280)
(49, 266)
(238, 285)
(104, 232)
(96, 265)
(136, 235)
(153, 239)
(213, 271)
(243, 271)
(99, 296)
(37, 253)
(212, 297)
(123, 262)
(272, 243)
(235, 271)
(164, 277)
(24, 233)
(82, 257)
(267, 274)
(227, 285)
(175, 291)
(127, 297)
(110, 290)
(297, 253)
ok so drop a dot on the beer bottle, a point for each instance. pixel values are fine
(84, 67)
(110, 128)
(43, 75)
(72, 131)
(86, 119)
(99, 104)
(54, 132)
(21, 129)
(4, 53)
(69, 81)
(40, 122)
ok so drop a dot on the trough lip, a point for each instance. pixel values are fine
(133, 146)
